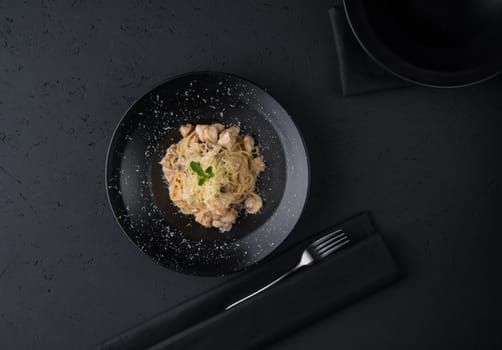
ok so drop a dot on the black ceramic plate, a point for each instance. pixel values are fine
(139, 196)
(440, 43)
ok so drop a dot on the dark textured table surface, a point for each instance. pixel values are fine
(426, 162)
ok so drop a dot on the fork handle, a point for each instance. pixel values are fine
(263, 288)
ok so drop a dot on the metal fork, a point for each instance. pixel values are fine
(316, 251)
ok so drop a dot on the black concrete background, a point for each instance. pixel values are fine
(426, 162)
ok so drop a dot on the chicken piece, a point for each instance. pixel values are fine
(211, 134)
(248, 143)
(220, 204)
(200, 130)
(234, 130)
(229, 217)
(228, 137)
(226, 140)
(221, 225)
(194, 138)
(205, 218)
(219, 127)
(217, 207)
(253, 203)
(257, 165)
(186, 129)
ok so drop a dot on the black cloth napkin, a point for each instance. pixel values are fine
(298, 301)
(201, 323)
(359, 74)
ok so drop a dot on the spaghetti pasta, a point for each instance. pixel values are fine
(212, 174)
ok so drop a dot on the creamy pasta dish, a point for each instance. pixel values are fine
(212, 174)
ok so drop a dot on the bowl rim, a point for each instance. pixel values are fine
(379, 56)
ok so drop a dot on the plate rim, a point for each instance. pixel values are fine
(107, 169)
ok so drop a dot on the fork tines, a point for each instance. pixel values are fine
(330, 243)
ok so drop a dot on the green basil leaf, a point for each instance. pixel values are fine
(209, 172)
(197, 168)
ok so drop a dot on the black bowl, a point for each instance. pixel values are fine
(440, 43)
(139, 195)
